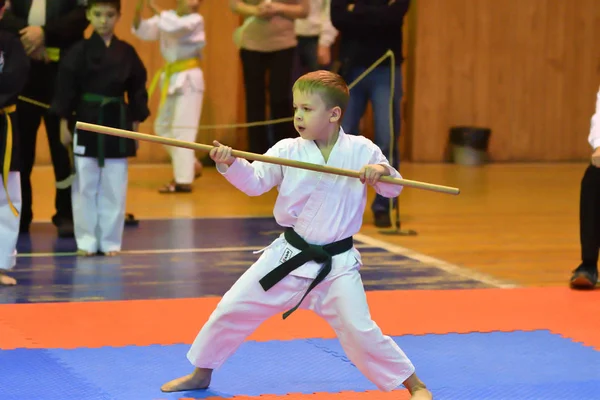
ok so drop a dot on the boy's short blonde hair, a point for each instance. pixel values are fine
(330, 86)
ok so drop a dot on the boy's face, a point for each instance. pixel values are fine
(103, 18)
(312, 118)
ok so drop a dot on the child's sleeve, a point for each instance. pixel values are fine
(137, 95)
(257, 177)
(388, 190)
(191, 25)
(15, 73)
(67, 28)
(67, 92)
(366, 15)
(594, 137)
(147, 30)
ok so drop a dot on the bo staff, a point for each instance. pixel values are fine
(258, 157)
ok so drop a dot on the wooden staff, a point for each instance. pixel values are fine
(259, 157)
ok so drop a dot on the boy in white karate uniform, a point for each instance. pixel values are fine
(182, 38)
(321, 209)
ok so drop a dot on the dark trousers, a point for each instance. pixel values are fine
(589, 217)
(40, 87)
(278, 65)
(307, 56)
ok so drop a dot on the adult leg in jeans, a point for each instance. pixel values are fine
(254, 66)
(280, 90)
(357, 104)
(380, 99)
(586, 275)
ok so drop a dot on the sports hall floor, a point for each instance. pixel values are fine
(478, 298)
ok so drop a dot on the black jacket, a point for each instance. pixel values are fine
(369, 30)
(65, 21)
(14, 69)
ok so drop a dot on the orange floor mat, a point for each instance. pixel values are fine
(146, 322)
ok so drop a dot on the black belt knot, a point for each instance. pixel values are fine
(308, 252)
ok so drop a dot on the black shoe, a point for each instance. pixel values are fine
(382, 219)
(584, 277)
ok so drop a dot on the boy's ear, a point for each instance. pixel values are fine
(336, 114)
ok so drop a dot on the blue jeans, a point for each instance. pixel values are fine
(375, 87)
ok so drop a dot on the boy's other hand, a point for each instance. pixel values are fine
(221, 154)
(372, 173)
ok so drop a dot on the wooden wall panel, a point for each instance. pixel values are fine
(527, 69)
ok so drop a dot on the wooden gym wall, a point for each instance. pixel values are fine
(527, 69)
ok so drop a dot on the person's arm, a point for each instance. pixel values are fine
(292, 11)
(257, 177)
(328, 32)
(180, 26)
(15, 72)
(67, 28)
(388, 190)
(144, 29)
(360, 14)
(11, 23)
(243, 9)
(67, 92)
(137, 94)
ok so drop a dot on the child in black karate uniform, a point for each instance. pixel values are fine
(93, 79)
(14, 69)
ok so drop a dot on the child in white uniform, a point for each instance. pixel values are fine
(182, 38)
(14, 69)
(321, 209)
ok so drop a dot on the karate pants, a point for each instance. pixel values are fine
(340, 299)
(9, 223)
(178, 118)
(99, 196)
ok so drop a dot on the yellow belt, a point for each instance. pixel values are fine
(170, 69)
(8, 153)
(53, 53)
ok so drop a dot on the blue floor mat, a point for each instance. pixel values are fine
(515, 365)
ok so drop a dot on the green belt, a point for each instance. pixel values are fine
(104, 101)
(308, 252)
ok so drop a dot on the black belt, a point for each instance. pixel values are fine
(308, 252)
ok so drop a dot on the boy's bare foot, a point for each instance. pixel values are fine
(199, 379)
(421, 394)
(84, 253)
(111, 253)
(6, 280)
(417, 389)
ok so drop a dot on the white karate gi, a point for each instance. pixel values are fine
(99, 196)
(180, 38)
(322, 208)
(9, 223)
